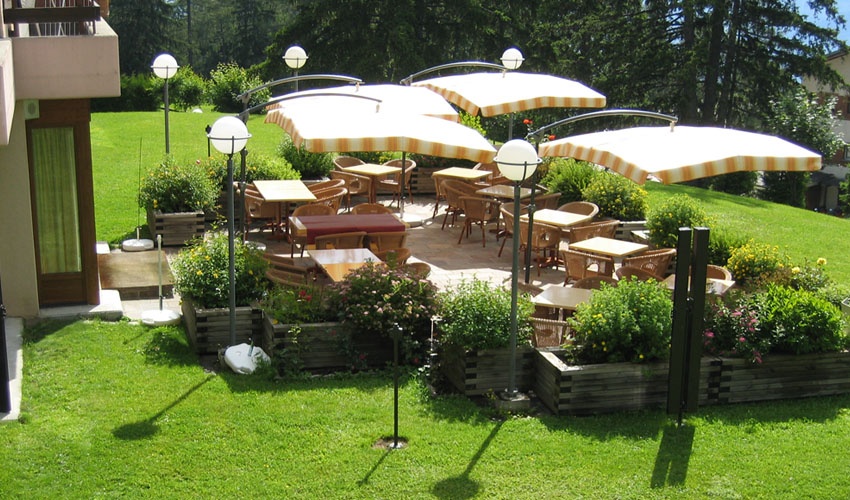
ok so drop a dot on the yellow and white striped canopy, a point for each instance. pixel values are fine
(410, 133)
(394, 99)
(683, 153)
(494, 94)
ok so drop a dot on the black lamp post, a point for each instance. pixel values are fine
(517, 160)
(229, 136)
(165, 66)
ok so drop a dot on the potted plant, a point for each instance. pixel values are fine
(201, 278)
(475, 334)
(175, 197)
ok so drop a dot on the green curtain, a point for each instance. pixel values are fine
(57, 216)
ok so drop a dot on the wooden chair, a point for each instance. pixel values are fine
(547, 201)
(331, 197)
(394, 257)
(655, 261)
(495, 177)
(308, 209)
(341, 162)
(454, 189)
(478, 211)
(580, 265)
(391, 183)
(290, 267)
(718, 273)
(353, 239)
(594, 282)
(507, 211)
(626, 272)
(438, 192)
(387, 240)
(257, 210)
(580, 207)
(549, 332)
(606, 229)
(323, 185)
(545, 240)
(370, 208)
(356, 184)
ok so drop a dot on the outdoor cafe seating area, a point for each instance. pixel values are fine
(313, 239)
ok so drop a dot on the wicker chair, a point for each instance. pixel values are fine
(419, 269)
(323, 185)
(370, 208)
(356, 184)
(289, 266)
(495, 177)
(394, 256)
(478, 211)
(549, 332)
(545, 240)
(284, 278)
(718, 273)
(606, 229)
(353, 239)
(258, 210)
(341, 162)
(627, 272)
(453, 190)
(580, 207)
(378, 242)
(580, 265)
(308, 209)
(594, 282)
(655, 261)
(547, 201)
(391, 184)
(331, 197)
(507, 211)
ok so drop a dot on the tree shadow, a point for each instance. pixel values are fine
(462, 486)
(167, 346)
(37, 331)
(147, 428)
(674, 454)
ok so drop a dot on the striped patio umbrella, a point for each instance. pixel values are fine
(681, 153)
(394, 98)
(498, 93)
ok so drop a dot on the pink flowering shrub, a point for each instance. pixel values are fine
(733, 330)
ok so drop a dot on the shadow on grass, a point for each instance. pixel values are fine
(167, 346)
(462, 486)
(674, 455)
(146, 428)
(38, 331)
(816, 410)
(639, 425)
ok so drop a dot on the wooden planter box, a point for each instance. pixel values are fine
(624, 230)
(176, 228)
(784, 377)
(326, 346)
(209, 329)
(609, 387)
(475, 373)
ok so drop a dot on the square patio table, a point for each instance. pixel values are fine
(609, 247)
(283, 191)
(336, 263)
(503, 192)
(557, 217)
(562, 297)
(374, 172)
(713, 286)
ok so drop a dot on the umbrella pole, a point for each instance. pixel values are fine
(401, 179)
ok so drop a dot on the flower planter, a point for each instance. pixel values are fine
(784, 377)
(609, 387)
(624, 230)
(325, 346)
(176, 228)
(209, 329)
(475, 373)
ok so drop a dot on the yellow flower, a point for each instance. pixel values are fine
(795, 270)
(821, 261)
(199, 272)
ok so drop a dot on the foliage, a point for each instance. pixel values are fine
(665, 220)
(630, 322)
(731, 328)
(258, 166)
(740, 183)
(754, 260)
(143, 32)
(177, 187)
(428, 161)
(201, 272)
(376, 157)
(803, 277)
(616, 197)
(186, 89)
(307, 303)
(475, 315)
(473, 122)
(310, 165)
(721, 241)
(799, 321)
(788, 188)
(138, 93)
(569, 177)
(225, 85)
(376, 299)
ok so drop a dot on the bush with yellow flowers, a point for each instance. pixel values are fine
(616, 197)
(753, 260)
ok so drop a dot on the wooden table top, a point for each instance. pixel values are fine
(288, 190)
(609, 246)
(558, 218)
(713, 286)
(563, 297)
(504, 192)
(373, 170)
(466, 174)
(339, 262)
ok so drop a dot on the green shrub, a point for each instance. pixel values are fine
(473, 122)
(802, 277)
(629, 322)
(732, 329)
(257, 167)
(788, 188)
(229, 80)
(720, 245)
(309, 165)
(798, 321)
(375, 157)
(307, 303)
(186, 89)
(616, 197)
(739, 183)
(665, 220)
(754, 261)
(173, 187)
(569, 177)
(476, 316)
(138, 93)
(201, 272)
(834, 293)
(428, 161)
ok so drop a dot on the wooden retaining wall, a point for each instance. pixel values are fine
(209, 329)
(475, 373)
(176, 228)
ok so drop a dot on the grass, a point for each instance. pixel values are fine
(117, 410)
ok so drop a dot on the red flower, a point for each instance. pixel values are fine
(551, 137)
(527, 121)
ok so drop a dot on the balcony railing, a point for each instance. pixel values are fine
(52, 17)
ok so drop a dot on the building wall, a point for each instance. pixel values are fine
(17, 258)
(841, 63)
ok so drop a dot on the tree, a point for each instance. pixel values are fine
(143, 32)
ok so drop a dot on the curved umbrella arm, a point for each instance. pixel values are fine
(245, 112)
(536, 135)
(245, 96)
(480, 64)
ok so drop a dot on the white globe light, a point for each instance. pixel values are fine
(295, 57)
(517, 160)
(228, 135)
(165, 66)
(512, 58)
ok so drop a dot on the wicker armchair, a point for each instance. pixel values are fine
(606, 229)
(549, 332)
(547, 201)
(331, 197)
(391, 184)
(495, 177)
(453, 190)
(308, 209)
(507, 211)
(627, 272)
(353, 239)
(356, 184)
(394, 256)
(545, 240)
(580, 265)
(323, 185)
(655, 261)
(478, 211)
(380, 241)
(370, 208)
(594, 282)
(341, 162)
(718, 273)
(580, 207)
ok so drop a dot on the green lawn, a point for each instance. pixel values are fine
(118, 410)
